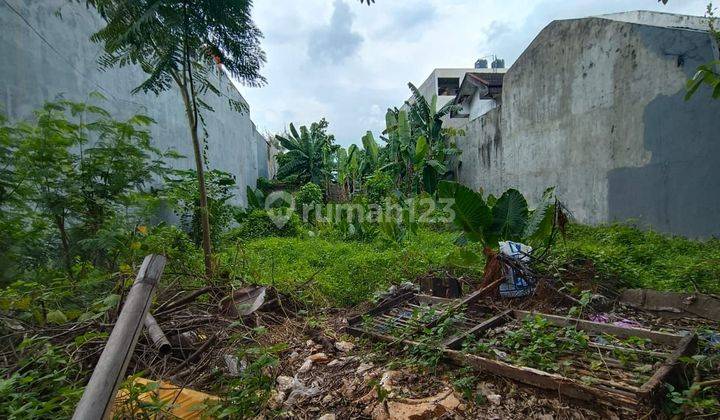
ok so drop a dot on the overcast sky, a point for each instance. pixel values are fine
(349, 62)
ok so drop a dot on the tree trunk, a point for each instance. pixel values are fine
(60, 223)
(204, 216)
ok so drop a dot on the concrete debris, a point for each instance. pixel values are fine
(319, 358)
(284, 383)
(234, 366)
(344, 346)
(494, 398)
(300, 390)
(388, 378)
(276, 399)
(306, 366)
(428, 408)
(327, 417)
(364, 367)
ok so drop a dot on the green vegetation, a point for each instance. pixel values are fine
(640, 258)
(417, 155)
(179, 44)
(336, 272)
(80, 196)
(309, 196)
(307, 156)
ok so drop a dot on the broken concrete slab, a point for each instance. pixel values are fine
(673, 304)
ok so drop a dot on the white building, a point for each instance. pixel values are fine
(476, 94)
(479, 92)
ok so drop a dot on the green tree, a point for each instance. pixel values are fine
(419, 150)
(179, 42)
(80, 169)
(308, 155)
(182, 192)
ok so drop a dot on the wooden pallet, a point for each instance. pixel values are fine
(401, 320)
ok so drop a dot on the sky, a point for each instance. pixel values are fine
(348, 62)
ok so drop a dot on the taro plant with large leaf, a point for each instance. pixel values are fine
(506, 218)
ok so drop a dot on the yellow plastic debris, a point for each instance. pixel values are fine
(182, 403)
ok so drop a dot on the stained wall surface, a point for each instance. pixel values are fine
(595, 107)
(46, 53)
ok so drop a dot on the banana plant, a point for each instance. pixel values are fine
(308, 154)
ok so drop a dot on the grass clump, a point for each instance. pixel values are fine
(645, 259)
(337, 272)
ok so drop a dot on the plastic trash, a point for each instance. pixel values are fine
(183, 403)
(515, 285)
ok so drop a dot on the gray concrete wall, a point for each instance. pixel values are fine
(595, 107)
(481, 147)
(49, 56)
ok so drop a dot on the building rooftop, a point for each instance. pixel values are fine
(490, 83)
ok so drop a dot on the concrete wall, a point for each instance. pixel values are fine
(668, 20)
(60, 60)
(595, 107)
(481, 156)
(479, 106)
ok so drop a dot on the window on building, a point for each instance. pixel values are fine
(448, 86)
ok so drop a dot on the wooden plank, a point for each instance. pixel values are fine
(435, 300)
(529, 376)
(545, 380)
(383, 307)
(99, 394)
(472, 297)
(455, 340)
(659, 337)
(670, 369)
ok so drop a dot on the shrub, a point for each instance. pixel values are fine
(378, 186)
(184, 194)
(258, 224)
(41, 387)
(309, 195)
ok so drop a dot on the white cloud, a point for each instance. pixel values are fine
(349, 62)
(335, 42)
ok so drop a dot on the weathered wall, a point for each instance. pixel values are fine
(595, 107)
(481, 156)
(34, 70)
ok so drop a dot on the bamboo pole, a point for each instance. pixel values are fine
(99, 395)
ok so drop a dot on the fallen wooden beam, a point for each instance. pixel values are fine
(598, 327)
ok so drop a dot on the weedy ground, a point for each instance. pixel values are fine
(43, 375)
